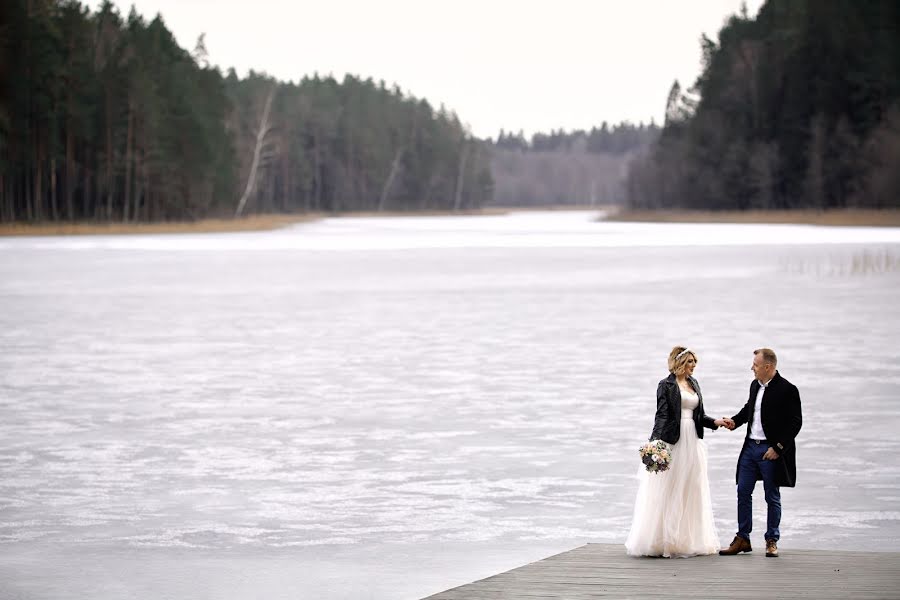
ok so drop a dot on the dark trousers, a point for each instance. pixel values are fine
(751, 466)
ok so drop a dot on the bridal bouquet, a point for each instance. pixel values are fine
(656, 456)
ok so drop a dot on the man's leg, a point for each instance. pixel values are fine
(747, 473)
(773, 498)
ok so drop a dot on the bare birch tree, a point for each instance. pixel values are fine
(261, 133)
(386, 189)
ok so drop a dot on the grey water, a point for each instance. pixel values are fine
(389, 407)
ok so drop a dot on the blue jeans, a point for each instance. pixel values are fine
(750, 466)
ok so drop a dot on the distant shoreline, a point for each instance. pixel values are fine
(851, 217)
(846, 218)
(221, 225)
(251, 222)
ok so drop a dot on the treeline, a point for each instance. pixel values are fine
(107, 118)
(796, 108)
(618, 139)
(576, 168)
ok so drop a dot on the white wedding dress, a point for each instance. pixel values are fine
(673, 511)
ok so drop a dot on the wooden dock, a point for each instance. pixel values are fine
(604, 571)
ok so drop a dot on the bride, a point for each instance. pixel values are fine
(673, 511)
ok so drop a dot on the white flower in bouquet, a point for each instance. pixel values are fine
(656, 456)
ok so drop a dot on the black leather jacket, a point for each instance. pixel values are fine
(667, 425)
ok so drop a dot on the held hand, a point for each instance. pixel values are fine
(725, 422)
(770, 455)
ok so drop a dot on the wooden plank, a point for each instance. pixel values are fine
(603, 570)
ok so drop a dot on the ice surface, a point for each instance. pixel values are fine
(215, 415)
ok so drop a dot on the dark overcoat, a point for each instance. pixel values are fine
(781, 421)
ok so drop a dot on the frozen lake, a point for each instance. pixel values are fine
(384, 408)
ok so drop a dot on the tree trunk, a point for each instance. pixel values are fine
(386, 189)
(260, 138)
(129, 143)
(27, 190)
(285, 179)
(109, 157)
(86, 198)
(53, 208)
(3, 197)
(147, 191)
(815, 170)
(38, 197)
(135, 213)
(460, 176)
(317, 174)
(70, 172)
(96, 203)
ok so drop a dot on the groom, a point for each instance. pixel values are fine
(769, 453)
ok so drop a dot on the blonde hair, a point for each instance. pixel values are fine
(768, 355)
(678, 358)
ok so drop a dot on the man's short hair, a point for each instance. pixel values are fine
(768, 355)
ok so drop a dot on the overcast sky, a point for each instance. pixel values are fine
(511, 64)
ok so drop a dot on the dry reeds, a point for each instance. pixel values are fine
(862, 263)
(250, 223)
(851, 217)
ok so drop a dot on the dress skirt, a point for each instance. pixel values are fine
(673, 511)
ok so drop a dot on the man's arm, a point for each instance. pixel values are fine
(741, 418)
(744, 415)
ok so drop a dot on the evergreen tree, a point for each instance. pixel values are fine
(790, 106)
(111, 120)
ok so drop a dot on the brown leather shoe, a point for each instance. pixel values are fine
(737, 546)
(771, 548)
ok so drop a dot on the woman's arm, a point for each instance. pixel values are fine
(662, 411)
(705, 420)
